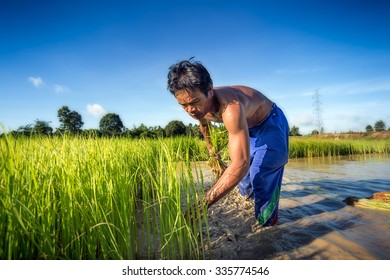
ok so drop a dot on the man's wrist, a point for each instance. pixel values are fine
(210, 198)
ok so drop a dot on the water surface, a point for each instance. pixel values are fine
(314, 221)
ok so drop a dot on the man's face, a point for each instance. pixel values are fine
(196, 103)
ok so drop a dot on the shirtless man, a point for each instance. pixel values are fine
(258, 135)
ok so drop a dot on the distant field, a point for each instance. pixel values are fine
(340, 144)
(355, 135)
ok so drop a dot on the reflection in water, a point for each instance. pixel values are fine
(317, 221)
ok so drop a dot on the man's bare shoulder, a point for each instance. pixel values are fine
(254, 106)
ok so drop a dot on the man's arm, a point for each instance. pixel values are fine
(236, 125)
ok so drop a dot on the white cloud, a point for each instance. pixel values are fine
(60, 88)
(96, 110)
(36, 81)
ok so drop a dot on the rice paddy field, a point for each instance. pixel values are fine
(323, 147)
(74, 198)
(78, 198)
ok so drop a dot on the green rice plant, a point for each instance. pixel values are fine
(170, 177)
(77, 198)
(312, 147)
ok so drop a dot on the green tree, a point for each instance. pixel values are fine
(25, 130)
(369, 128)
(194, 131)
(380, 126)
(175, 128)
(42, 128)
(158, 131)
(71, 121)
(136, 132)
(294, 131)
(111, 124)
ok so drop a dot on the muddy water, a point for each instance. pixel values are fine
(314, 222)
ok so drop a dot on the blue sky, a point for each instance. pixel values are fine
(113, 56)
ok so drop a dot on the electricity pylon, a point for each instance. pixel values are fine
(317, 106)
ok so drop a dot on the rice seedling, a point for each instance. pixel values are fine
(77, 198)
(309, 147)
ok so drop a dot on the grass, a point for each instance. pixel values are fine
(75, 198)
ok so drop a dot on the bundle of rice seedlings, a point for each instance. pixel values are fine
(383, 196)
(217, 165)
(378, 201)
(219, 142)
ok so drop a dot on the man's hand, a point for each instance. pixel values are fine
(195, 212)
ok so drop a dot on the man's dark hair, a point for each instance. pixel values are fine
(189, 75)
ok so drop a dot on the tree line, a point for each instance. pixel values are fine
(110, 125)
(378, 127)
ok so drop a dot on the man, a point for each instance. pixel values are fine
(257, 132)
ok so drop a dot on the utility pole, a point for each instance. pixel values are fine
(318, 111)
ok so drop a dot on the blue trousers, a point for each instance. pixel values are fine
(268, 156)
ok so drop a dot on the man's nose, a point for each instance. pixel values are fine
(190, 109)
